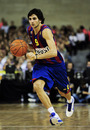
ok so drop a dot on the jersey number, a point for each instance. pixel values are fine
(36, 41)
(67, 87)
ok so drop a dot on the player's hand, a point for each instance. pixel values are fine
(31, 56)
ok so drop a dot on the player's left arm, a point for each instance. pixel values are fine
(48, 36)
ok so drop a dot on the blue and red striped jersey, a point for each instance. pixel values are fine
(40, 45)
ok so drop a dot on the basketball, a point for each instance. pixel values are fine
(18, 47)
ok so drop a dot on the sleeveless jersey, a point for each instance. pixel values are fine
(40, 45)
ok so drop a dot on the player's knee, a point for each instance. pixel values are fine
(37, 87)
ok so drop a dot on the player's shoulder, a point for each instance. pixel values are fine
(46, 30)
(45, 27)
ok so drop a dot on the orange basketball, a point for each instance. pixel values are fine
(18, 47)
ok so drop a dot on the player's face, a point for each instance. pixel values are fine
(34, 21)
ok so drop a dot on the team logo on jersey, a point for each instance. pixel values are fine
(41, 50)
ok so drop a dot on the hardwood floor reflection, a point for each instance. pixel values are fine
(35, 117)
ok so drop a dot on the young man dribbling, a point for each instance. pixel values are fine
(50, 67)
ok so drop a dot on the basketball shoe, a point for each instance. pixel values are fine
(70, 108)
(55, 119)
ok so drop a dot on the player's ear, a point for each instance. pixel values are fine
(40, 21)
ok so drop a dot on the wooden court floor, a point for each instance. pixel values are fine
(33, 116)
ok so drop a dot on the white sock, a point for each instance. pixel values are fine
(69, 101)
(51, 110)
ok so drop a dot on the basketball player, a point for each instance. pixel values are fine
(49, 68)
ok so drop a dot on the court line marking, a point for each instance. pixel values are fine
(43, 126)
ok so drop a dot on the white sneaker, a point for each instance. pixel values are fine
(70, 108)
(55, 119)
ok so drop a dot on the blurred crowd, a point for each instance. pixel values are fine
(69, 41)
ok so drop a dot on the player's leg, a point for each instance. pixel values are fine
(70, 103)
(38, 86)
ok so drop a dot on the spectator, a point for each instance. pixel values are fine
(70, 71)
(78, 77)
(10, 68)
(28, 72)
(5, 27)
(54, 29)
(1, 23)
(12, 27)
(25, 22)
(83, 95)
(73, 42)
(68, 45)
(86, 73)
(81, 39)
(70, 74)
(85, 31)
(4, 57)
(22, 63)
(11, 57)
(18, 72)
